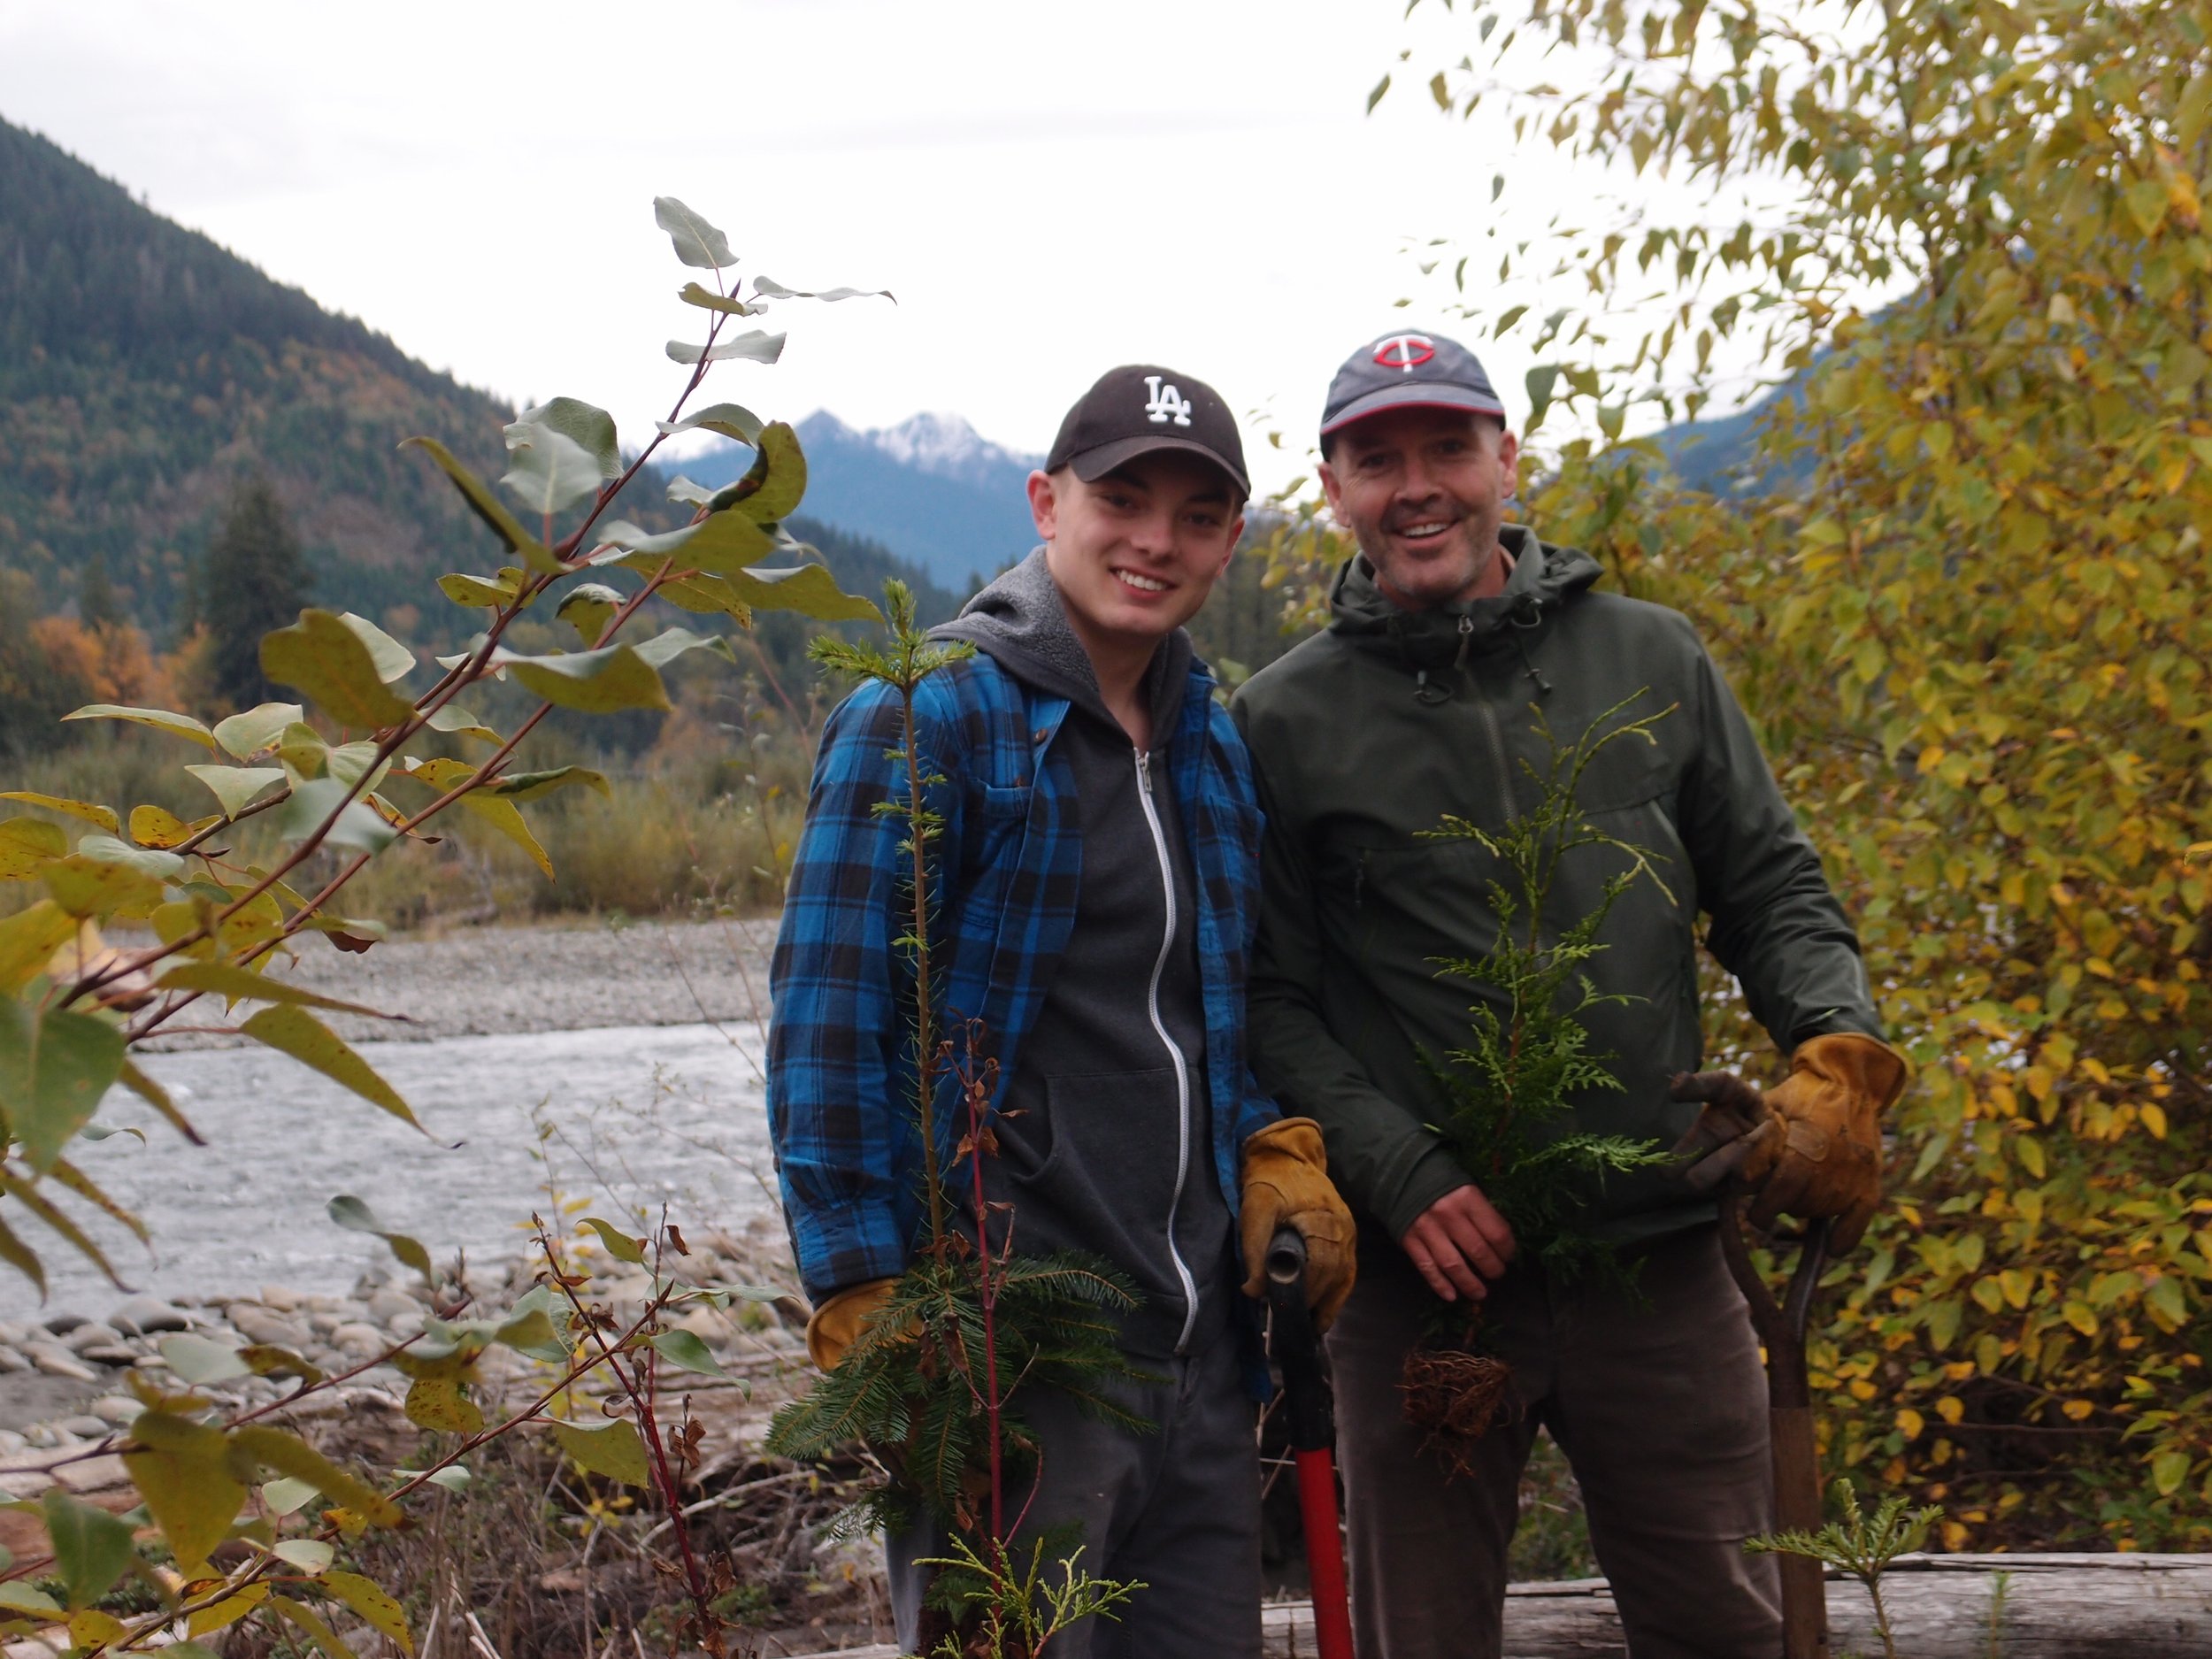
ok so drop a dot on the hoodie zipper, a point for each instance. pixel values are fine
(1174, 1054)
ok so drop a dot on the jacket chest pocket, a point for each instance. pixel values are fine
(997, 817)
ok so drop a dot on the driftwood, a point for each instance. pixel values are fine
(1940, 1607)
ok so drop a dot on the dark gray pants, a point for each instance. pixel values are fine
(1177, 1509)
(1657, 1398)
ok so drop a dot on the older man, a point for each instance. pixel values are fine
(1449, 632)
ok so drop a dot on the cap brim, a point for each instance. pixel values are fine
(1093, 465)
(1417, 395)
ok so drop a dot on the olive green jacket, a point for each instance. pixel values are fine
(1372, 732)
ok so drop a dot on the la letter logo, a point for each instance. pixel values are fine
(1405, 352)
(1168, 404)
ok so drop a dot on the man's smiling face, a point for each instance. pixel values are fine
(1424, 491)
(1135, 552)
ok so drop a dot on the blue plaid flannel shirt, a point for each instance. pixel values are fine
(1004, 870)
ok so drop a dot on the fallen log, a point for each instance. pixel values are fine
(1940, 1607)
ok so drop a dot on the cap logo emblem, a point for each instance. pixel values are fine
(1405, 352)
(1168, 404)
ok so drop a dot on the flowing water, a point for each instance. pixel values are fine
(624, 1118)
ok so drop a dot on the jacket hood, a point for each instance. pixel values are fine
(1020, 621)
(1544, 578)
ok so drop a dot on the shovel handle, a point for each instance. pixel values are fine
(1306, 1396)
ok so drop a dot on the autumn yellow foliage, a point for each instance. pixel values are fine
(1962, 585)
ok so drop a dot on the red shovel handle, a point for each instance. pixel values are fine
(1312, 1414)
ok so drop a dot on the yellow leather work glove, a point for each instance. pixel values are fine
(837, 1322)
(1286, 1184)
(1811, 1145)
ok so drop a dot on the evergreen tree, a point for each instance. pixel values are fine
(96, 607)
(253, 580)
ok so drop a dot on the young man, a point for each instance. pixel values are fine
(1098, 870)
(1450, 632)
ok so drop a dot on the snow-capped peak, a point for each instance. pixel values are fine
(934, 442)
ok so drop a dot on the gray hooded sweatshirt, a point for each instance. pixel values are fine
(1103, 1130)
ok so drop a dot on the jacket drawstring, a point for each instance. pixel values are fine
(1535, 617)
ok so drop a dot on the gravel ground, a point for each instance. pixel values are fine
(495, 981)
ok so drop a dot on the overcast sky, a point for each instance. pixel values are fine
(1048, 188)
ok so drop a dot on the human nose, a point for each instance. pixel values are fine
(1153, 532)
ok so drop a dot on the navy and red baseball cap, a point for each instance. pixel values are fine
(1408, 371)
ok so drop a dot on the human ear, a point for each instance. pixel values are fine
(1509, 465)
(1331, 488)
(1044, 506)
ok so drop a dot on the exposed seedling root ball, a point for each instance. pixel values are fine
(1454, 1397)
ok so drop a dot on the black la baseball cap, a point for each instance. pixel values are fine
(1141, 407)
(1408, 371)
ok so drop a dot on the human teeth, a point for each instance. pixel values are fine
(1424, 529)
(1143, 584)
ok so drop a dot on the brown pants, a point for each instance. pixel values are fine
(1659, 1401)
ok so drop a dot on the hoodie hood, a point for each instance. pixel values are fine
(1021, 622)
(1543, 579)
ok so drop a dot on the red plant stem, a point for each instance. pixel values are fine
(991, 1402)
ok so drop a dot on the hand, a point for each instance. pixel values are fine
(837, 1322)
(1286, 1184)
(1811, 1145)
(1457, 1243)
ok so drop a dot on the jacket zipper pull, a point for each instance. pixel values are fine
(1466, 639)
(1144, 772)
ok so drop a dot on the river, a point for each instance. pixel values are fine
(620, 1117)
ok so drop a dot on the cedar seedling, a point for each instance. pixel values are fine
(1508, 1094)
(1859, 1544)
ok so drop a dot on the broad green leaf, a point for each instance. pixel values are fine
(21, 1257)
(163, 866)
(703, 594)
(809, 590)
(237, 787)
(528, 786)
(372, 1603)
(620, 1244)
(721, 542)
(547, 469)
(2168, 1469)
(588, 608)
(586, 426)
(243, 984)
(670, 643)
(160, 719)
(199, 1359)
(54, 1067)
(775, 483)
(257, 728)
(697, 243)
(356, 825)
(322, 656)
(28, 941)
(18, 1596)
(311, 1556)
(707, 300)
(289, 1455)
(394, 661)
(474, 590)
(756, 345)
(91, 1547)
(355, 1215)
(686, 1350)
(453, 1477)
(485, 802)
(593, 682)
(683, 491)
(157, 1097)
(439, 1399)
(531, 1331)
(776, 290)
(350, 763)
(183, 1472)
(732, 420)
(615, 1451)
(304, 751)
(488, 507)
(312, 1626)
(452, 717)
(220, 1615)
(90, 811)
(284, 1494)
(1542, 382)
(157, 826)
(294, 1031)
(27, 845)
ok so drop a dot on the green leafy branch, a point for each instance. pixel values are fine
(1860, 1544)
